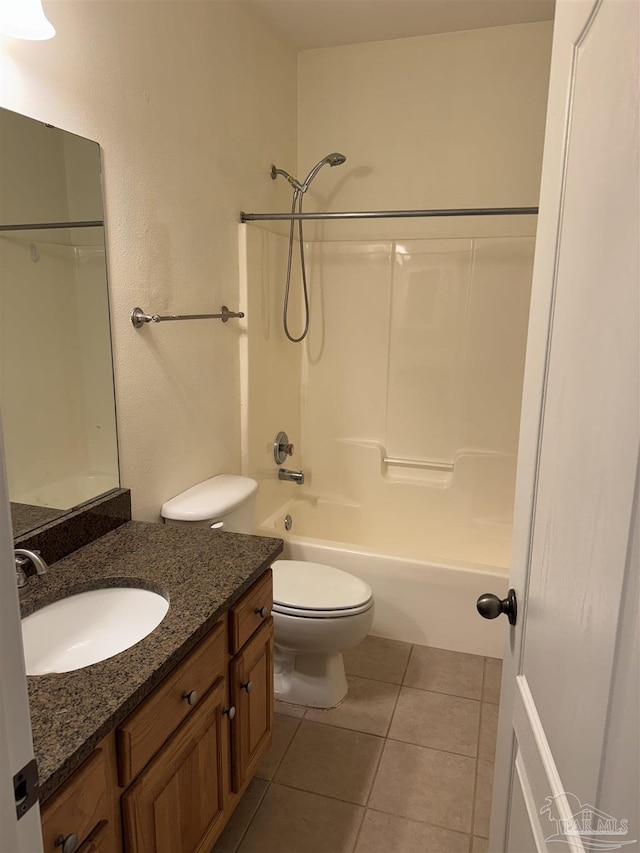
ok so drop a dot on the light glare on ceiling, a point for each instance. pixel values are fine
(25, 19)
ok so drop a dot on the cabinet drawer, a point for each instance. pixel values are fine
(143, 732)
(250, 612)
(80, 805)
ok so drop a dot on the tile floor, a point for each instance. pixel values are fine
(403, 765)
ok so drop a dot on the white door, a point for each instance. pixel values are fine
(567, 765)
(16, 748)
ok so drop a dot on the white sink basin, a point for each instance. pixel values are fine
(89, 627)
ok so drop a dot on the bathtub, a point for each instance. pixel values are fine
(429, 601)
(70, 491)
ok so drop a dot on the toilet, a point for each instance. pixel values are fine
(319, 611)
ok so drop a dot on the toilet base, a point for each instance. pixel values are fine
(309, 678)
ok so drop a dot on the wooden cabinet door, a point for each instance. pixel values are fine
(177, 804)
(252, 695)
(82, 805)
(101, 840)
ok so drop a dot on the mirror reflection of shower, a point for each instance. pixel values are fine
(299, 189)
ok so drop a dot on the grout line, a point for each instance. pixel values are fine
(255, 812)
(345, 728)
(444, 693)
(361, 824)
(317, 794)
(286, 750)
(440, 693)
(433, 748)
(406, 666)
(484, 676)
(424, 822)
(370, 678)
(375, 772)
(473, 801)
(475, 781)
(393, 713)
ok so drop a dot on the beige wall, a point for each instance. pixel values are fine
(451, 120)
(179, 95)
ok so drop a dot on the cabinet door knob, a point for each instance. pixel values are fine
(230, 712)
(191, 696)
(68, 843)
(261, 611)
(248, 686)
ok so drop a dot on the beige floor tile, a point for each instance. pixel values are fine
(288, 710)
(331, 761)
(479, 845)
(241, 818)
(425, 784)
(484, 787)
(436, 720)
(284, 729)
(442, 671)
(368, 707)
(290, 821)
(492, 678)
(488, 731)
(385, 833)
(378, 658)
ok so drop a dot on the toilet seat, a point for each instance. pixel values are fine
(312, 590)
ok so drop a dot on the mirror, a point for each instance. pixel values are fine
(56, 372)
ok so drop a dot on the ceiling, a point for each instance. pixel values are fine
(307, 24)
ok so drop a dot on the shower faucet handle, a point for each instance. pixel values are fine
(282, 448)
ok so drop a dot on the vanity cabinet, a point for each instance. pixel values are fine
(83, 815)
(180, 762)
(178, 803)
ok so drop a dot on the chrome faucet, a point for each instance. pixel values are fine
(291, 476)
(22, 558)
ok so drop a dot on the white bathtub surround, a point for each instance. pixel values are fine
(403, 406)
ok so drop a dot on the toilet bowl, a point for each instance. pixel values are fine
(319, 612)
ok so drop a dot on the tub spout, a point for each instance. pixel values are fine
(291, 476)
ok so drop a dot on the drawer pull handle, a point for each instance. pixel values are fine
(191, 696)
(248, 686)
(68, 844)
(261, 611)
(230, 712)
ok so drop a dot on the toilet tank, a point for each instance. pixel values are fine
(225, 502)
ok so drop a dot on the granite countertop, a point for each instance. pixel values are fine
(25, 517)
(201, 573)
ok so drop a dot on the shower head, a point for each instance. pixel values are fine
(275, 172)
(335, 159)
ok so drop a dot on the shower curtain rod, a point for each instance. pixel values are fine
(393, 214)
(49, 226)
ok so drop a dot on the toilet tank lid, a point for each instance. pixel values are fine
(214, 498)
